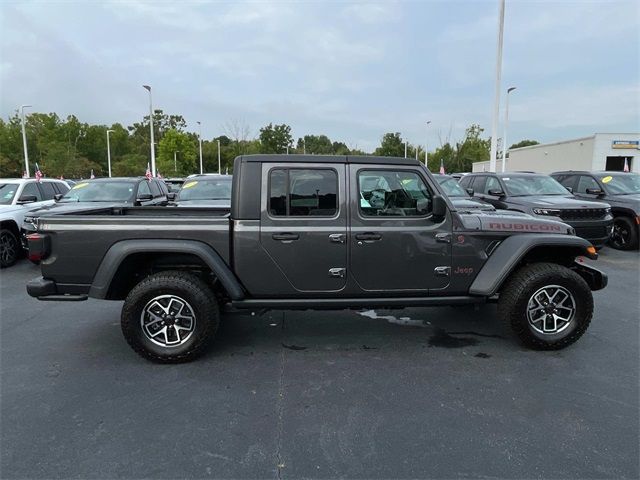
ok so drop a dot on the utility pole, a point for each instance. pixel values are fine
(426, 144)
(153, 147)
(405, 149)
(175, 160)
(496, 105)
(219, 164)
(109, 153)
(505, 147)
(200, 144)
(24, 141)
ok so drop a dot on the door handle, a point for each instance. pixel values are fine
(369, 237)
(336, 237)
(443, 237)
(285, 237)
(337, 272)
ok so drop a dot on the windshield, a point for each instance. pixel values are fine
(7, 192)
(622, 184)
(209, 189)
(451, 187)
(100, 192)
(533, 185)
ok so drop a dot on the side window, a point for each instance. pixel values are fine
(47, 190)
(586, 182)
(163, 187)
(566, 180)
(155, 190)
(303, 192)
(32, 189)
(394, 193)
(492, 184)
(143, 188)
(61, 187)
(477, 183)
(465, 182)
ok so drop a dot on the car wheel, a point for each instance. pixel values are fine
(624, 235)
(547, 305)
(170, 317)
(8, 248)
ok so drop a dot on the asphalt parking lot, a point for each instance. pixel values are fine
(415, 393)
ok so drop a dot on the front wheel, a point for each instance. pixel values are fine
(624, 235)
(548, 306)
(170, 317)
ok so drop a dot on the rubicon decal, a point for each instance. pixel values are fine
(525, 227)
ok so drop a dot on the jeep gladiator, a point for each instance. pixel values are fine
(315, 232)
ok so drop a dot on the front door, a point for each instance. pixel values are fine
(396, 244)
(303, 225)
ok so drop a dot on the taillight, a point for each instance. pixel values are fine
(38, 246)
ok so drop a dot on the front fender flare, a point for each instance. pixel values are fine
(511, 251)
(121, 250)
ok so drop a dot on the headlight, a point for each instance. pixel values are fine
(546, 211)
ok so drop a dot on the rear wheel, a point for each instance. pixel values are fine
(625, 234)
(8, 248)
(548, 306)
(170, 317)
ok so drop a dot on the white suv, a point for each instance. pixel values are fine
(17, 197)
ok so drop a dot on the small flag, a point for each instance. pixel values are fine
(24, 175)
(92, 176)
(38, 173)
(159, 176)
(626, 165)
(61, 177)
(148, 173)
(441, 167)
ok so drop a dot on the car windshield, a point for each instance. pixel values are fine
(621, 184)
(100, 192)
(522, 186)
(451, 187)
(206, 189)
(7, 192)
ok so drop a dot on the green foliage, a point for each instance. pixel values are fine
(524, 143)
(275, 138)
(459, 158)
(187, 159)
(391, 145)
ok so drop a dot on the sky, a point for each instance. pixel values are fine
(352, 70)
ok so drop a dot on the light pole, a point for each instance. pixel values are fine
(405, 149)
(175, 160)
(219, 165)
(200, 143)
(426, 143)
(496, 105)
(287, 149)
(153, 148)
(24, 141)
(109, 153)
(304, 146)
(505, 147)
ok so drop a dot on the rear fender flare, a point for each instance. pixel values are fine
(121, 250)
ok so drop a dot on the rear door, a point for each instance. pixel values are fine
(303, 225)
(396, 245)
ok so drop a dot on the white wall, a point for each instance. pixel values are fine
(551, 157)
(603, 149)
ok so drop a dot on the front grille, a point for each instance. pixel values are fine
(591, 232)
(583, 213)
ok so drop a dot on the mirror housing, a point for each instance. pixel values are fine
(470, 192)
(570, 189)
(595, 191)
(27, 199)
(171, 196)
(496, 193)
(439, 206)
(58, 196)
(145, 197)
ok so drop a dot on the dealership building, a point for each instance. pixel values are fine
(601, 151)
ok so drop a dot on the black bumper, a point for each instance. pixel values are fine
(44, 289)
(596, 279)
(596, 231)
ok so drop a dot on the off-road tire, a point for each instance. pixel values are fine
(627, 228)
(522, 284)
(193, 290)
(9, 248)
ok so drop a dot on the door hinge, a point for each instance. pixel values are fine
(442, 271)
(337, 272)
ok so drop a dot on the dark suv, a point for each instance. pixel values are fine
(620, 190)
(542, 196)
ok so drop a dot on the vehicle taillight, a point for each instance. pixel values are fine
(38, 246)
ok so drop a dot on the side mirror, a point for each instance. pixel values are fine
(144, 197)
(594, 191)
(171, 196)
(470, 192)
(27, 199)
(496, 193)
(439, 206)
(58, 196)
(570, 189)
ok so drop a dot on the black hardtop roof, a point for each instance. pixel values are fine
(367, 159)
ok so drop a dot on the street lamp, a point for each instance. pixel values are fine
(109, 153)
(405, 149)
(219, 166)
(153, 148)
(426, 143)
(505, 145)
(496, 106)
(175, 160)
(200, 143)
(24, 141)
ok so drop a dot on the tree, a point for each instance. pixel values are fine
(275, 138)
(391, 145)
(186, 156)
(524, 143)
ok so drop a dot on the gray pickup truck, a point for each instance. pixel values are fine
(315, 232)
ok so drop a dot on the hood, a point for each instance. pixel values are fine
(71, 207)
(555, 201)
(513, 222)
(11, 208)
(204, 203)
(632, 200)
(462, 203)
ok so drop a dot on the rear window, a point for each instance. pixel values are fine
(100, 192)
(303, 192)
(206, 189)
